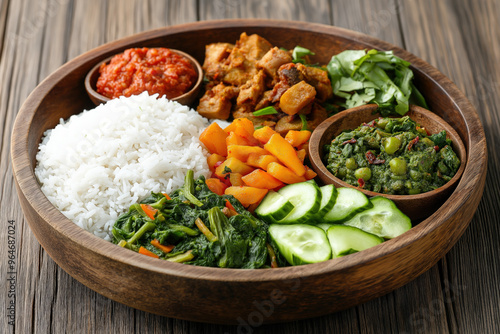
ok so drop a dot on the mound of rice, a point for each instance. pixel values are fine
(93, 166)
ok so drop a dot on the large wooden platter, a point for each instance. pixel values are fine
(245, 297)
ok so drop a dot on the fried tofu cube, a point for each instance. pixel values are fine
(272, 61)
(215, 56)
(251, 91)
(216, 102)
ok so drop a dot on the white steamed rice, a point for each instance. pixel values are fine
(93, 166)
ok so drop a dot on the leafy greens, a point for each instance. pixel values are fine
(380, 77)
(240, 239)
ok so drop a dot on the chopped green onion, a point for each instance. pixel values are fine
(304, 121)
(265, 111)
(299, 53)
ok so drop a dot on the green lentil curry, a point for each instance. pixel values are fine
(392, 156)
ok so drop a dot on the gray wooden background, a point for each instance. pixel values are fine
(461, 38)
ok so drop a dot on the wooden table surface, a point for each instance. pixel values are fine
(461, 294)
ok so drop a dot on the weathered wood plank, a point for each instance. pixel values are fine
(317, 11)
(458, 40)
(375, 18)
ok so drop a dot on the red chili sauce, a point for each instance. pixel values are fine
(156, 70)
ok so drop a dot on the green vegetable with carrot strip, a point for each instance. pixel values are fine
(189, 226)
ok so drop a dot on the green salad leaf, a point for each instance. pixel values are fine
(380, 77)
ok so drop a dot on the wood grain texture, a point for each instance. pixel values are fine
(459, 295)
(321, 288)
(464, 51)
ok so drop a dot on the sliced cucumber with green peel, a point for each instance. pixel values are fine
(306, 199)
(273, 207)
(328, 199)
(383, 219)
(349, 202)
(325, 226)
(345, 240)
(301, 243)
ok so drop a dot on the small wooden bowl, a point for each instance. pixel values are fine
(235, 296)
(187, 98)
(417, 207)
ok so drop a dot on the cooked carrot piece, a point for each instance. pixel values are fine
(261, 179)
(297, 138)
(232, 165)
(214, 138)
(261, 161)
(147, 252)
(263, 134)
(213, 159)
(244, 128)
(230, 206)
(241, 152)
(236, 179)
(216, 186)
(301, 154)
(149, 210)
(251, 208)
(243, 123)
(310, 174)
(246, 195)
(166, 195)
(235, 139)
(285, 153)
(163, 248)
(284, 174)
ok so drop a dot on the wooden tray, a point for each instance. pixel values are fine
(233, 296)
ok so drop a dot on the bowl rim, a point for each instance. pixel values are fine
(89, 87)
(28, 185)
(318, 162)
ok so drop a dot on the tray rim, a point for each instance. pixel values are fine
(67, 228)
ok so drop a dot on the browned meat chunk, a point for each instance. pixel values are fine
(288, 123)
(254, 47)
(318, 78)
(264, 101)
(239, 69)
(241, 61)
(251, 91)
(215, 57)
(289, 75)
(297, 97)
(317, 116)
(216, 102)
(272, 61)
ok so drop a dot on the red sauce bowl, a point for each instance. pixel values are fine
(187, 98)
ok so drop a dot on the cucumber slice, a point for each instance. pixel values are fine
(328, 199)
(273, 207)
(345, 240)
(383, 219)
(325, 226)
(349, 202)
(306, 199)
(301, 243)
